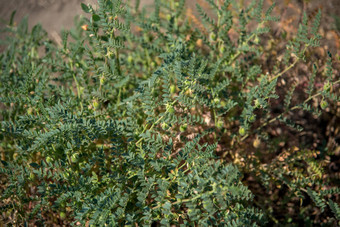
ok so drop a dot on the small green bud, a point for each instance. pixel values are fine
(257, 103)
(222, 49)
(164, 126)
(188, 91)
(82, 164)
(323, 104)
(49, 159)
(219, 124)
(9, 213)
(81, 90)
(95, 104)
(212, 36)
(216, 101)
(102, 80)
(168, 17)
(170, 108)
(62, 215)
(242, 131)
(32, 176)
(223, 104)
(183, 128)
(146, 37)
(66, 175)
(109, 54)
(29, 111)
(252, 118)
(326, 86)
(74, 158)
(172, 89)
(130, 59)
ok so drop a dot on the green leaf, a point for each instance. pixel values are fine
(95, 17)
(4, 163)
(167, 205)
(34, 165)
(85, 8)
(335, 209)
(12, 18)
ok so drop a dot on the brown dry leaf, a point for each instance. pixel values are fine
(138, 29)
(207, 118)
(233, 35)
(199, 43)
(203, 4)
(336, 39)
(196, 21)
(295, 8)
(287, 2)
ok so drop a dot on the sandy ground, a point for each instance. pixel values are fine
(52, 14)
(55, 15)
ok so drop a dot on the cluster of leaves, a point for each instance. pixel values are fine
(139, 116)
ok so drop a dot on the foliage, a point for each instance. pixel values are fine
(143, 116)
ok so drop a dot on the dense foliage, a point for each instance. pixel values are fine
(160, 116)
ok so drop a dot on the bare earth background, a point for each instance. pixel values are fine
(57, 14)
(52, 14)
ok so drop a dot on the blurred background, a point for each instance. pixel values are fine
(55, 15)
(52, 14)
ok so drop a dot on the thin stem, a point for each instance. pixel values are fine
(285, 70)
(155, 123)
(119, 96)
(78, 88)
(118, 62)
(291, 109)
(185, 200)
(238, 53)
(289, 67)
(267, 212)
(112, 36)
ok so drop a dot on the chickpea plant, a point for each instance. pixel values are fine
(129, 120)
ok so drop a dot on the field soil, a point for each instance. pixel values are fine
(55, 15)
(52, 14)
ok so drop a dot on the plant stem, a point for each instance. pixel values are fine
(78, 88)
(112, 36)
(291, 109)
(285, 70)
(155, 123)
(186, 200)
(238, 53)
(289, 67)
(118, 62)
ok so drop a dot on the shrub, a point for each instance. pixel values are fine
(144, 116)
